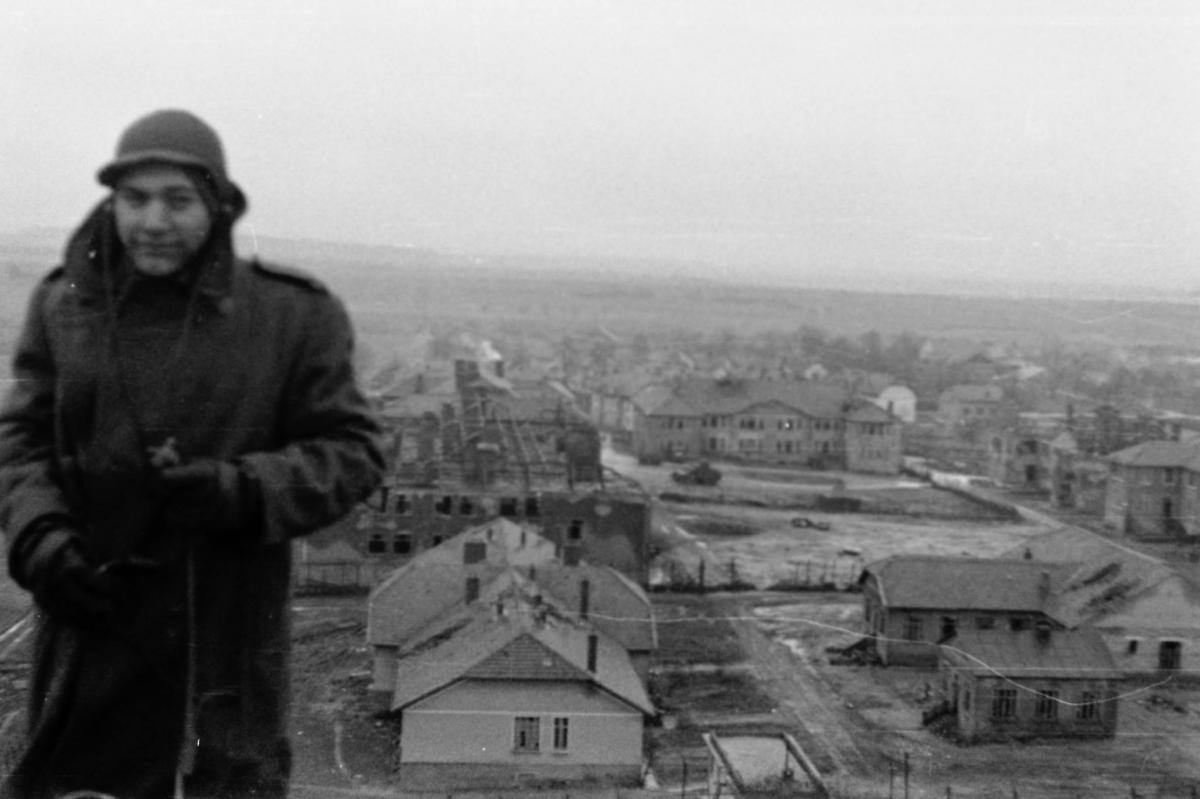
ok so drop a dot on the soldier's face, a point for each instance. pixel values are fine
(161, 218)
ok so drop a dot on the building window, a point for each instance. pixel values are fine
(1131, 646)
(472, 589)
(561, 733)
(1089, 707)
(1018, 623)
(403, 505)
(985, 623)
(508, 506)
(575, 530)
(525, 734)
(912, 628)
(401, 543)
(444, 506)
(1046, 706)
(1004, 703)
(533, 508)
(465, 506)
(474, 552)
(376, 545)
(1169, 476)
(949, 627)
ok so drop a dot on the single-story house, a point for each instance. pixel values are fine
(517, 693)
(1001, 684)
(911, 603)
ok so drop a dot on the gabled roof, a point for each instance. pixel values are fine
(428, 593)
(433, 582)
(650, 398)
(697, 396)
(867, 412)
(517, 647)
(1104, 577)
(930, 582)
(617, 605)
(1026, 654)
(1159, 454)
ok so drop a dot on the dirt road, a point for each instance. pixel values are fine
(835, 738)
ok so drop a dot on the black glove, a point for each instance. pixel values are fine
(206, 496)
(66, 583)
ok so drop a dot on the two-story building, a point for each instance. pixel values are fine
(968, 406)
(1153, 490)
(784, 422)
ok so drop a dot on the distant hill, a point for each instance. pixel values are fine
(395, 290)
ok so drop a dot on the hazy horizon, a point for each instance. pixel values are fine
(990, 144)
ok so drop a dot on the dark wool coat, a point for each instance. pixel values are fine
(248, 363)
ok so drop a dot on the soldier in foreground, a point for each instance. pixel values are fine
(177, 416)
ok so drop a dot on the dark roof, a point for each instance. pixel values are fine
(1079, 654)
(730, 396)
(516, 648)
(930, 582)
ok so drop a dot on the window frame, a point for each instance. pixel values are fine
(1089, 706)
(1045, 706)
(561, 734)
(914, 628)
(527, 734)
(1004, 704)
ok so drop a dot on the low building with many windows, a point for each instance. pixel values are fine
(1000, 685)
(913, 603)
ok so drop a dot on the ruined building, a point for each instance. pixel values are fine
(478, 446)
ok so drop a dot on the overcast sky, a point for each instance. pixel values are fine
(960, 138)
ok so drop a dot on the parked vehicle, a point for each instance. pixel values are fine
(702, 474)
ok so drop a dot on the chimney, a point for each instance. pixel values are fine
(593, 643)
(585, 597)
(1041, 631)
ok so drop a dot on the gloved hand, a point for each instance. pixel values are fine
(205, 496)
(66, 583)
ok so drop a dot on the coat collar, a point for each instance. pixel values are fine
(93, 257)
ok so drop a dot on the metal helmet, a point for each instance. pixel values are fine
(171, 137)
